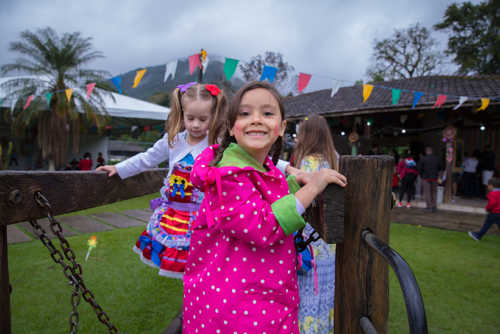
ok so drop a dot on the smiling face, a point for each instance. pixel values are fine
(197, 116)
(258, 123)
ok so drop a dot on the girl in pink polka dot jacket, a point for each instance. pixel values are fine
(241, 272)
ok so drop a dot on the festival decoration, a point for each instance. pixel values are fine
(48, 96)
(13, 104)
(92, 244)
(194, 61)
(138, 77)
(170, 69)
(416, 97)
(28, 102)
(69, 92)
(440, 101)
(117, 81)
(484, 104)
(230, 67)
(269, 73)
(90, 88)
(396, 94)
(335, 87)
(304, 79)
(367, 91)
(461, 101)
(184, 87)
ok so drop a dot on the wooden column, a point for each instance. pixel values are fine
(4, 283)
(361, 278)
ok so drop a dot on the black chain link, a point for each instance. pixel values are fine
(73, 273)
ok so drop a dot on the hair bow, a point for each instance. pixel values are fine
(213, 89)
(185, 87)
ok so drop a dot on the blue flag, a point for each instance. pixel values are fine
(269, 73)
(117, 82)
(416, 97)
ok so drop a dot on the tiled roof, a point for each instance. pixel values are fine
(350, 99)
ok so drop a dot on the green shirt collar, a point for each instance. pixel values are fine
(236, 156)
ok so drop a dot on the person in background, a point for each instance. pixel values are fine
(86, 162)
(469, 175)
(429, 168)
(493, 209)
(100, 160)
(408, 177)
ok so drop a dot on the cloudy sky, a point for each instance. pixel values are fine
(329, 39)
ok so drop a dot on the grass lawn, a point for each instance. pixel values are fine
(458, 277)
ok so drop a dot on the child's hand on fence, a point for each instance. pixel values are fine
(316, 182)
(111, 170)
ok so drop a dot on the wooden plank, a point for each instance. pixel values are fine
(68, 191)
(15, 235)
(84, 224)
(361, 275)
(118, 220)
(5, 325)
(333, 197)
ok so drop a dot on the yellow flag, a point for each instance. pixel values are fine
(484, 104)
(138, 77)
(367, 90)
(69, 91)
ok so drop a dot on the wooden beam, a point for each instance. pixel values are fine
(68, 191)
(333, 198)
(361, 277)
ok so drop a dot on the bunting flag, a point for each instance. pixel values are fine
(146, 128)
(138, 77)
(69, 91)
(90, 88)
(48, 96)
(204, 64)
(335, 88)
(13, 104)
(28, 102)
(416, 97)
(230, 67)
(484, 104)
(367, 91)
(117, 81)
(396, 94)
(440, 101)
(1, 103)
(461, 101)
(194, 61)
(269, 73)
(170, 70)
(304, 79)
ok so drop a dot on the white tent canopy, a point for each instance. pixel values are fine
(122, 106)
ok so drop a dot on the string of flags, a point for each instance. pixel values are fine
(201, 60)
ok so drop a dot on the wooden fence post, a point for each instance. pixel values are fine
(362, 277)
(4, 283)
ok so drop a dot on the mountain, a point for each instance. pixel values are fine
(152, 82)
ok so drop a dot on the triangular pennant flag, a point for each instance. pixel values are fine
(194, 61)
(69, 91)
(396, 94)
(48, 96)
(461, 101)
(90, 88)
(138, 77)
(230, 67)
(367, 91)
(440, 101)
(117, 81)
(416, 97)
(269, 73)
(304, 79)
(170, 70)
(13, 104)
(205, 65)
(28, 102)
(484, 104)
(335, 87)
(1, 103)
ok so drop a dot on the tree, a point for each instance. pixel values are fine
(408, 53)
(252, 69)
(474, 39)
(53, 64)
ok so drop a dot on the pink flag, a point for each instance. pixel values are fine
(28, 102)
(194, 61)
(303, 81)
(90, 88)
(439, 101)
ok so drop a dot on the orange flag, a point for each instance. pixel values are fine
(484, 104)
(367, 90)
(69, 91)
(138, 77)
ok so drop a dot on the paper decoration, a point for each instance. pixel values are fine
(117, 81)
(396, 94)
(138, 77)
(69, 91)
(484, 104)
(230, 67)
(92, 244)
(194, 61)
(13, 104)
(439, 101)
(204, 64)
(146, 128)
(170, 70)
(461, 101)
(304, 79)
(367, 91)
(90, 88)
(203, 55)
(335, 88)
(48, 96)
(28, 102)
(1, 103)
(269, 73)
(416, 97)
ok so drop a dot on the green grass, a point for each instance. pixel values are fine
(458, 277)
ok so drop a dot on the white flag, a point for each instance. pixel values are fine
(460, 102)
(170, 69)
(335, 87)
(205, 65)
(13, 105)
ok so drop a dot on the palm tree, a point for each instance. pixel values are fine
(53, 64)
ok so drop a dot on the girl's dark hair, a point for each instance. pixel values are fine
(178, 103)
(232, 114)
(314, 137)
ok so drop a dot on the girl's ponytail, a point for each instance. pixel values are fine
(174, 121)
(217, 126)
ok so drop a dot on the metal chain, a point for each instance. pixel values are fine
(73, 273)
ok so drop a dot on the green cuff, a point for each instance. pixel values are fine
(293, 186)
(285, 211)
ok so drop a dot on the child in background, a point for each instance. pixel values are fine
(493, 208)
(193, 124)
(241, 270)
(408, 175)
(315, 150)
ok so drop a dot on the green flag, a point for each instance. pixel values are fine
(48, 96)
(396, 93)
(1, 103)
(230, 67)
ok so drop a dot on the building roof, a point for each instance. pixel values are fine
(349, 100)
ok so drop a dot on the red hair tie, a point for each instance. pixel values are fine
(213, 89)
